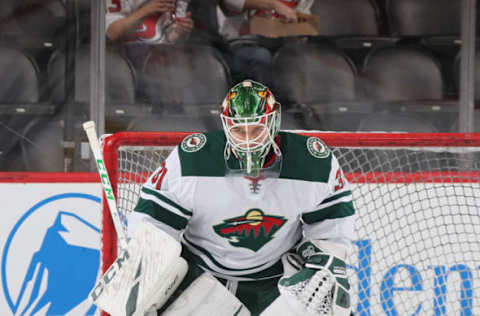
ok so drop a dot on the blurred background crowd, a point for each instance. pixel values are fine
(166, 65)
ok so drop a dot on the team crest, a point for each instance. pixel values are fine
(194, 142)
(317, 147)
(252, 231)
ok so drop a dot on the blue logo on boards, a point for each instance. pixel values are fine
(63, 265)
(414, 282)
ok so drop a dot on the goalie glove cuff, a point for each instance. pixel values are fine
(319, 245)
(316, 258)
(322, 285)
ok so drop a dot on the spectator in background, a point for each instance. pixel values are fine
(249, 59)
(142, 23)
(224, 25)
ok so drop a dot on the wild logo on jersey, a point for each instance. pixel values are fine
(252, 231)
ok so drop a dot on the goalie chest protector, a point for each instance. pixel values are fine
(238, 227)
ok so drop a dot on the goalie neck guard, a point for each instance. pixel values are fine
(251, 120)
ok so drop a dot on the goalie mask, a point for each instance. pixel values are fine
(251, 120)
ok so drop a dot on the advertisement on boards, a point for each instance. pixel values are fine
(417, 250)
(50, 239)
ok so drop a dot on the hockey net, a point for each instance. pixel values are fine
(417, 197)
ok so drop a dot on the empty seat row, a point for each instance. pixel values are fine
(389, 17)
(33, 18)
(198, 75)
(311, 81)
(310, 74)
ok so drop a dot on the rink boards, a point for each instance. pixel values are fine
(416, 253)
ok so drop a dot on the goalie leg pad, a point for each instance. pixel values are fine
(206, 296)
(144, 276)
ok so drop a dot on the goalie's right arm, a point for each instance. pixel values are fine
(144, 276)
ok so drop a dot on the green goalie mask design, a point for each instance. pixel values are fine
(251, 120)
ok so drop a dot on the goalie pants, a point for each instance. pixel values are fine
(255, 295)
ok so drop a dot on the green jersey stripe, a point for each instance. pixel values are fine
(166, 200)
(162, 204)
(161, 214)
(339, 210)
(336, 197)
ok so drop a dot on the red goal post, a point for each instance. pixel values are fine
(418, 202)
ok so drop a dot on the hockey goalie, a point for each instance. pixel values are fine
(249, 220)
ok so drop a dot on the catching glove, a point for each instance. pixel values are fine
(321, 287)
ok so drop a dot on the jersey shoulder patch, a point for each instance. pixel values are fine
(201, 154)
(305, 158)
(317, 148)
(193, 143)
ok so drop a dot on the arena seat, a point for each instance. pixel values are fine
(44, 149)
(20, 85)
(346, 17)
(433, 24)
(186, 86)
(20, 77)
(119, 81)
(355, 33)
(308, 79)
(178, 76)
(424, 17)
(400, 74)
(311, 74)
(38, 18)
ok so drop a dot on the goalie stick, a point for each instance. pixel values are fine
(89, 128)
(144, 275)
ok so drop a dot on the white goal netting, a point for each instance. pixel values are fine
(418, 202)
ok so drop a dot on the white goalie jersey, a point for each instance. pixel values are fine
(236, 227)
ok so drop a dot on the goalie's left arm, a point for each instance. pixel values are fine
(319, 284)
(314, 282)
(333, 217)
